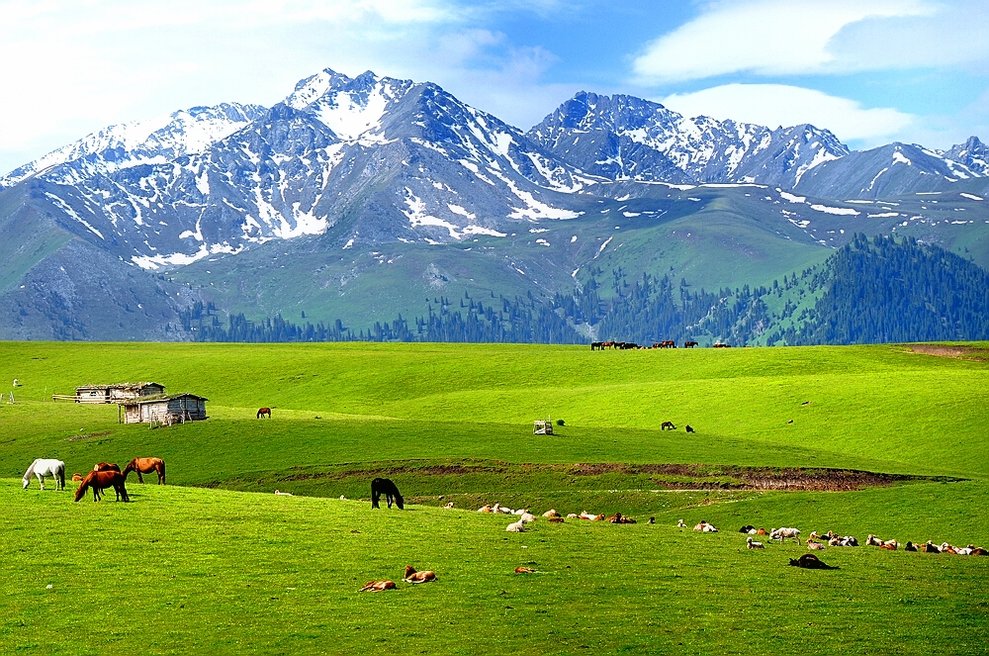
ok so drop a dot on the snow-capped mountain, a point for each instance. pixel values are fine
(403, 184)
(336, 150)
(622, 137)
(894, 170)
(973, 154)
(153, 141)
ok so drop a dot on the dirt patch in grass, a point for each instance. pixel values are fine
(670, 476)
(689, 476)
(961, 352)
(87, 436)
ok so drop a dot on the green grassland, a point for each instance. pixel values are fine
(215, 563)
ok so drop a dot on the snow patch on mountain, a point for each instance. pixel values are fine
(840, 211)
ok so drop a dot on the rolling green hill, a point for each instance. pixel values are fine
(215, 563)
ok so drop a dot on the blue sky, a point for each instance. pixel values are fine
(871, 71)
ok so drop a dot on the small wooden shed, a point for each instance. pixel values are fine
(164, 410)
(117, 392)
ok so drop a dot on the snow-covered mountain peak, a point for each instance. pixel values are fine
(185, 132)
(973, 154)
(353, 108)
(629, 138)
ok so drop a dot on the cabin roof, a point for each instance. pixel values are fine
(120, 386)
(162, 398)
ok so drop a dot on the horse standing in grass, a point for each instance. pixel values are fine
(101, 480)
(264, 412)
(385, 486)
(146, 466)
(42, 467)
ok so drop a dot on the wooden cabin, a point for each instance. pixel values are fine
(117, 393)
(164, 410)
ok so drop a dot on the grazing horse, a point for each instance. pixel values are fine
(146, 466)
(667, 425)
(412, 576)
(690, 429)
(42, 467)
(264, 412)
(101, 480)
(385, 486)
(689, 344)
(106, 466)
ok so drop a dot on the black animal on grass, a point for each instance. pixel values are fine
(386, 487)
(810, 561)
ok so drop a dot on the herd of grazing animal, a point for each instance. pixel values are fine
(805, 561)
(820, 541)
(624, 346)
(552, 516)
(103, 476)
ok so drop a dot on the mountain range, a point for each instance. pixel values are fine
(366, 202)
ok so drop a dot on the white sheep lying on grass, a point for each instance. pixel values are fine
(516, 527)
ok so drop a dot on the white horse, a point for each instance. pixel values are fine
(42, 467)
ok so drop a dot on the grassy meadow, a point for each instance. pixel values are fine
(216, 563)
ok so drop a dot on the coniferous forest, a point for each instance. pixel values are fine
(869, 291)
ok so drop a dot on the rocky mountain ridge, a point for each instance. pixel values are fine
(370, 169)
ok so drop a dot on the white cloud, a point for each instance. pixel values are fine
(766, 37)
(782, 105)
(78, 67)
(75, 67)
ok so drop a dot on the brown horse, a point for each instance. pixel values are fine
(101, 480)
(378, 586)
(146, 466)
(264, 412)
(106, 466)
(412, 576)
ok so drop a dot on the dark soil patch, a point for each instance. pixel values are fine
(672, 476)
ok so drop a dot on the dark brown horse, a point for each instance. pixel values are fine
(146, 466)
(101, 480)
(264, 412)
(106, 466)
(386, 487)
